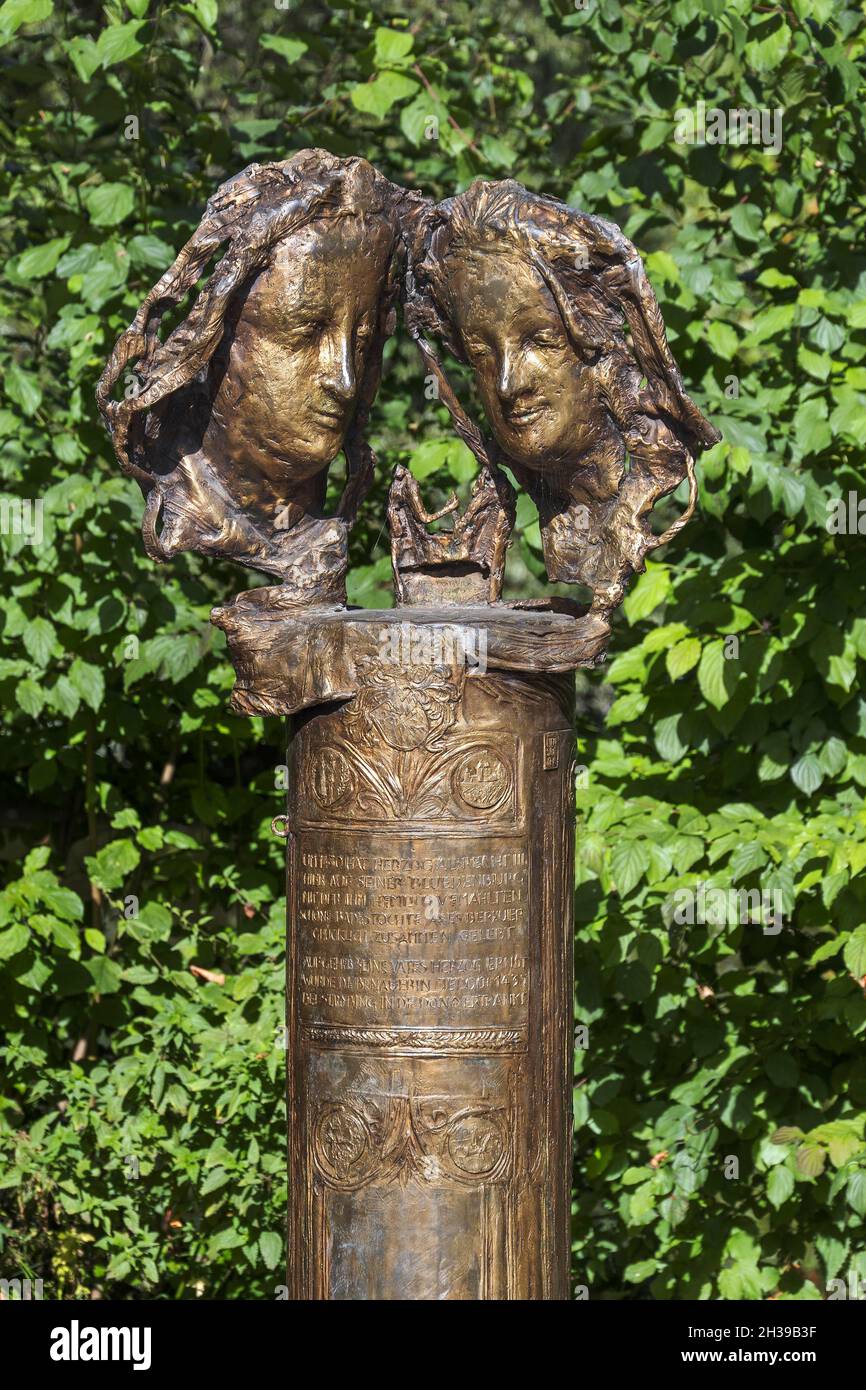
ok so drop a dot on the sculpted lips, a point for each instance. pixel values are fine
(329, 415)
(525, 414)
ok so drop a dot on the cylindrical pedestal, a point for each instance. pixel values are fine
(430, 861)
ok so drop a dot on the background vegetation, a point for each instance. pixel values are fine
(141, 1118)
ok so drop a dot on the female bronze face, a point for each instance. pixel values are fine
(541, 400)
(289, 373)
(552, 310)
(246, 404)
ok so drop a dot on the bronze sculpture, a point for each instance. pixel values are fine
(553, 311)
(430, 811)
(243, 408)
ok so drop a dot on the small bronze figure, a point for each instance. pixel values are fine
(462, 565)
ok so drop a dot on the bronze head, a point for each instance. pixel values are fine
(237, 415)
(552, 310)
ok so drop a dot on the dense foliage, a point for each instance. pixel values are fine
(721, 1078)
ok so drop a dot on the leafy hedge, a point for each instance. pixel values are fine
(721, 1083)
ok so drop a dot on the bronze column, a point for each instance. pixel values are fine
(429, 900)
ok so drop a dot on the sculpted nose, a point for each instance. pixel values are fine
(340, 371)
(505, 382)
(514, 378)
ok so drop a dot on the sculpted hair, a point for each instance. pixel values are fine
(250, 215)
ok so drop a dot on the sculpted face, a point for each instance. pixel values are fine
(541, 400)
(296, 360)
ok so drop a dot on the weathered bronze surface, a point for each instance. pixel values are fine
(429, 819)
(430, 871)
(231, 424)
(553, 311)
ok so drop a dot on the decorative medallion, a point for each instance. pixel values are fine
(331, 778)
(476, 1143)
(341, 1141)
(481, 779)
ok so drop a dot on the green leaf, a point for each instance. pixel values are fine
(377, 97)
(117, 43)
(109, 203)
(855, 1192)
(149, 250)
(84, 55)
(392, 47)
(497, 152)
(23, 388)
(89, 681)
(766, 53)
(745, 859)
(229, 1239)
(806, 773)
(62, 901)
(64, 697)
(627, 708)
(290, 49)
(722, 339)
(667, 739)
(462, 463)
(629, 862)
(30, 697)
(40, 640)
(207, 12)
(833, 757)
(683, 657)
(854, 954)
(428, 458)
(13, 940)
(812, 427)
(105, 973)
(216, 1178)
(271, 1246)
(652, 588)
(746, 221)
(714, 675)
(41, 260)
(14, 13)
(110, 866)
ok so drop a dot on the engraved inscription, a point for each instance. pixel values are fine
(551, 751)
(425, 933)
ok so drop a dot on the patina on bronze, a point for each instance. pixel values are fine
(230, 425)
(553, 311)
(430, 815)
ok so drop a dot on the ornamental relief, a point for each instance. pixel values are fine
(464, 780)
(410, 1139)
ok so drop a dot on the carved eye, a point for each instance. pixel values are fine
(544, 338)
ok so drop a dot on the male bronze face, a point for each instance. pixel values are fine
(247, 403)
